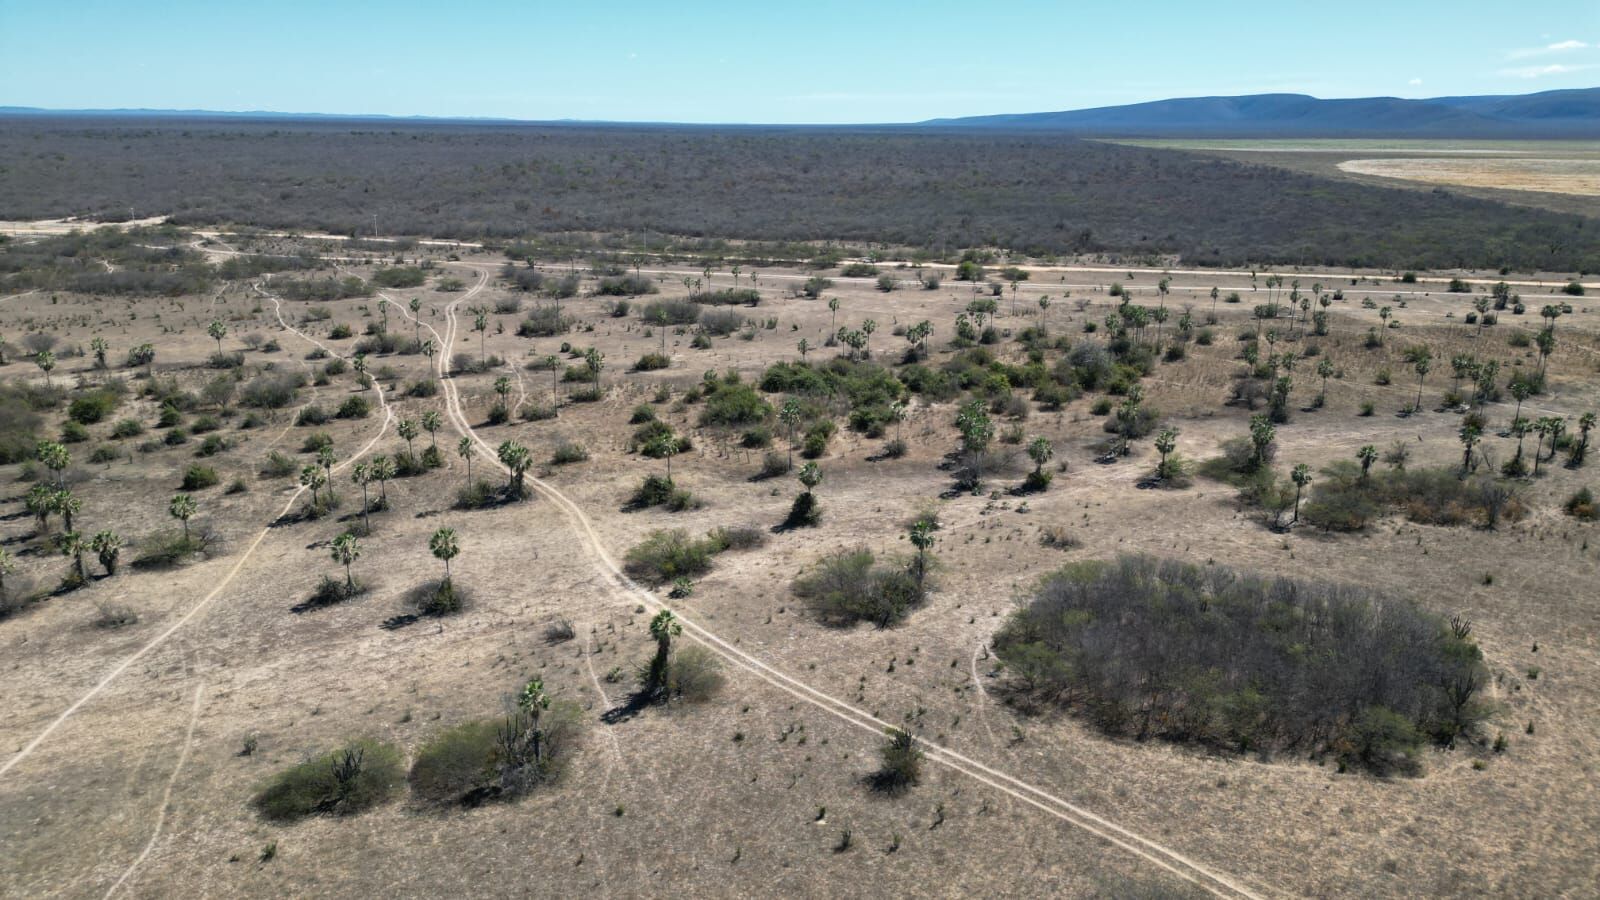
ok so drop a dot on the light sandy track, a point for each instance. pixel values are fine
(1166, 858)
(166, 796)
(158, 640)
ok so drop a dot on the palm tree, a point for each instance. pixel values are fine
(833, 309)
(444, 546)
(595, 360)
(46, 361)
(464, 450)
(502, 388)
(72, 544)
(553, 364)
(665, 446)
(314, 478)
(517, 458)
(218, 331)
(108, 546)
(99, 346)
(67, 506)
(1470, 434)
(183, 509)
(480, 324)
(803, 346)
(359, 363)
(1368, 455)
(346, 551)
(790, 415)
(810, 476)
(431, 424)
(1214, 294)
(55, 457)
(922, 539)
(1166, 442)
(429, 348)
(1262, 435)
(40, 503)
(664, 626)
(416, 317)
(1423, 364)
(326, 459)
(1301, 476)
(383, 469)
(361, 474)
(408, 431)
(1581, 449)
(1040, 451)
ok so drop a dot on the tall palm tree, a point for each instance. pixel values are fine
(46, 362)
(1368, 455)
(72, 544)
(218, 331)
(464, 450)
(664, 626)
(107, 545)
(517, 458)
(383, 469)
(922, 539)
(408, 432)
(1301, 476)
(1423, 365)
(431, 424)
(361, 474)
(444, 547)
(346, 550)
(314, 478)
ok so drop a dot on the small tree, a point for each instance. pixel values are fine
(183, 509)
(99, 346)
(47, 363)
(72, 544)
(464, 450)
(107, 545)
(361, 474)
(1581, 449)
(444, 547)
(408, 432)
(218, 331)
(922, 539)
(346, 551)
(383, 469)
(666, 446)
(517, 458)
(1301, 476)
(66, 505)
(1166, 442)
(1368, 454)
(664, 626)
(595, 361)
(143, 355)
(431, 424)
(55, 457)
(1470, 434)
(1262, 435)
(1041, 452)
(790, 415)
(313, 477)
(902, 763)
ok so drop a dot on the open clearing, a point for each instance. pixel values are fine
(1560, 176)
(129, 755)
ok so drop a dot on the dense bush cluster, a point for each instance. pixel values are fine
(1153, 648)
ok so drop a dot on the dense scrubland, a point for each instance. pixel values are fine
(654, 187)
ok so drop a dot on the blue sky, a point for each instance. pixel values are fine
(756, 62)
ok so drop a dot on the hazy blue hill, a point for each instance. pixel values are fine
(1570, 113)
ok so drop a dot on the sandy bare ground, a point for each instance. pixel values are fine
(103, 799)
(1560, 176)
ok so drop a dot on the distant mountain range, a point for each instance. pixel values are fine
(1549, 114)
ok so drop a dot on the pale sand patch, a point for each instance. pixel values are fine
(1558, 176)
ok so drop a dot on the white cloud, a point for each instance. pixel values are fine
(1415, 82)
(1557, 47)
(1552, 69)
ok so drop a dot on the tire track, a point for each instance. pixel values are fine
(1171, 861)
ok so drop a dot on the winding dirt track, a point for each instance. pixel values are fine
(1175, 863)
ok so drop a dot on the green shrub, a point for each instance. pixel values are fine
(651, 362)
(495, 759)
(73, 432)
(278, 465)
(1246, 663)
(666, 555)
(354, 408)
(849, 587)
(342, 782)
(568, 452)
(93, 406)
(127, 428)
